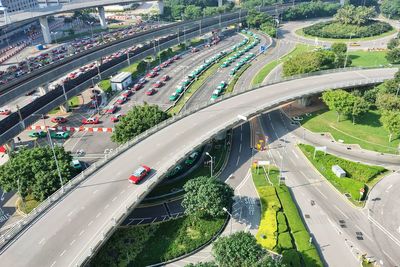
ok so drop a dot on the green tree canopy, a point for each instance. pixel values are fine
(393, 55)
(256, 18)
(360, 106)
(339, 101)
(34, 171)
(350, 14)
(391, 8)
(387, 102)
(136, 121)
(391, 122)
(206, 196)
(239, 250)
(193, 12)
(339, 48)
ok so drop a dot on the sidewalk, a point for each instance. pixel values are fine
(246, 217)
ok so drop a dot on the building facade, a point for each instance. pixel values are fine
(18, 5)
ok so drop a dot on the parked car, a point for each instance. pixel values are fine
(165, 78)
(121, 100)
(192, 157)
(76, 164)
(5, 111)
(92, 120)
(37, 134)
(126, 93)
(139, 174)
(174, 96)
(152, 74)
(59, 120)
(151, 91)
(111, 109)
(137, 87)
(116, 117)
(158, 84)
(59, 135)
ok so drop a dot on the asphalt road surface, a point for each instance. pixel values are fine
(65, 233)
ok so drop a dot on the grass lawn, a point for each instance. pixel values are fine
(219, 150)
(260, 76)
(73, 103)
(150, 244)
(368, 132)
(368, 58)
(358, 175)
(281, 228)
(28, 204)
(301, 33)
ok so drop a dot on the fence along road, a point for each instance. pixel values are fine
(68, 232)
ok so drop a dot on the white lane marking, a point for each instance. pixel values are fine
(390, 186)
(72, 242)
(69, 214)
(54, 263)
(359, 228)
(106, 207)
(240, 148)
(123, 191)
(347, 217)
(98, 215)
(90, 223)
(387, 255)
(237, 162)
(41, 241)
(115, 198)
(320, 192)
(279, 154)
(95, 191)
(294, 153)
(62, 253)
(81, 233)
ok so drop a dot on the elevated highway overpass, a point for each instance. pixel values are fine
(67, 230)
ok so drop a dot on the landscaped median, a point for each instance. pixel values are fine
(281, 228)
(145, 245)
(358, 176)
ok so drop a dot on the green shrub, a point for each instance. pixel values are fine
(290, 209)
(282, 225)
(307, 250)
(105, 85)
(291, 258)
(284, 241)
(332, 29)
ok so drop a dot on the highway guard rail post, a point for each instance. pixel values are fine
(59, 194)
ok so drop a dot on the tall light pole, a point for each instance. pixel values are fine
(347, 52)
(91, 28)
(211, 167)
(52, 148)
(231, 217)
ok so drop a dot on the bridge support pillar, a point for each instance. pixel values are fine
(43, 89)
(10, 146)
(304, 101)
(220, 136)
(160, 7)
(220, 3)
(102, 17)
(65, 107)
(44, 25)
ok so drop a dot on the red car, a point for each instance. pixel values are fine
(116, 117)
(139, 174)
(59, 120)
(122, 99)
(156, 69)
(194, 50)
(126, 93)
(151, 91)
(137, 87)
(142, 81)
(5, 111)
(165, 78)
(158, 84)
(164, 64)
(94, 120)
(111, 109)
(176, 57)
(152, 74)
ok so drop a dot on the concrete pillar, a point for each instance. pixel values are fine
(44, 25)
(220, 3)
(220, 136)
(304, 101)
(43, 89)
(10, 146)
(102, 17)
(65, 107)
(161, 7)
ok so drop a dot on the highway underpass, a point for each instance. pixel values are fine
(67, 233)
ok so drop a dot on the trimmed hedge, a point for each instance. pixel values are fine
(291, 258)
(284, 241)
(282, 225)
(333, 29)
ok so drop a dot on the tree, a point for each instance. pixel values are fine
(339, 48)
(237, 250)
(340, 101)
(256, 18)
(136, 121)
(206, 196)
(177, 11)
(393, 43)
(363, 2)
(34, 171)
(360, 106)
(192, 12)
(391, 122)
(387, 102)
(350, 14)
(391, 8)
(393, 55)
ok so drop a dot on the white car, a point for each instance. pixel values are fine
(297, 118)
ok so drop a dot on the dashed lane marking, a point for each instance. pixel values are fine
(62, 253)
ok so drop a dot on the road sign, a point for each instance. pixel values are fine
(263, 163)
(263, 48)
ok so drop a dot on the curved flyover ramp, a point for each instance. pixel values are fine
(69, 231)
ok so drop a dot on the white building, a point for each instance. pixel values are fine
(18, 5)
(121, 81)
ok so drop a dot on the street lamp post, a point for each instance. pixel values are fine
(52, 148)
(231, 216)
(91, 28)
(211, 169)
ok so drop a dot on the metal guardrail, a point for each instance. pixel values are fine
(107, 229)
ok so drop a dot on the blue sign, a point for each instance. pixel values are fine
(263, 48)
